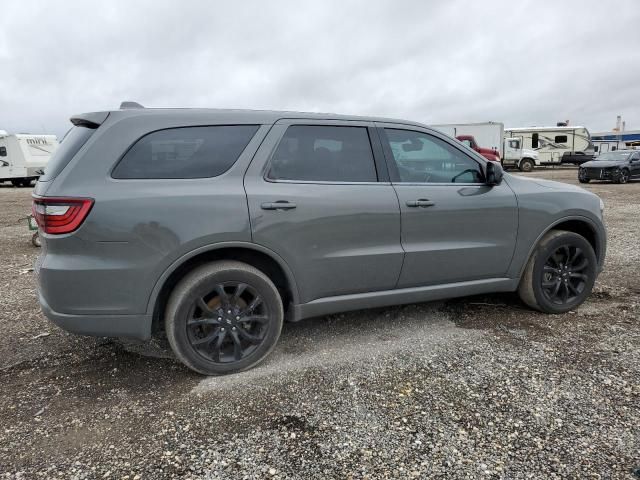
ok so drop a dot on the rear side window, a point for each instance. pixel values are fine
(324, 154)
(561, 139)
(189, 152)
(71, 143)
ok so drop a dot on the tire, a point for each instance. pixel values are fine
(624, 176)
(210, 345)
(584, 180)
(526, 165)
(547, 271)
(35, 240)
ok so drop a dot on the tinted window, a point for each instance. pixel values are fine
(192, 152)
(423, 158)
(71, 143)
(561, 139)
(534, 140)
(324, 153)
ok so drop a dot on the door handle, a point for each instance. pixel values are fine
(421, 202)
(279, 205)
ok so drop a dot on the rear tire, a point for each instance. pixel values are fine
(526, 165)
(223, 317)
(560, 273)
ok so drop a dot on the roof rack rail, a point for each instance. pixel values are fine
(130, 105)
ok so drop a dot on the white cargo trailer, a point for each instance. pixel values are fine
(23, 156)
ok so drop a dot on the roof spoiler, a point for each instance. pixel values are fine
(130, 105)
(89, 120)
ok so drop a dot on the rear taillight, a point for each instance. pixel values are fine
(60, 215)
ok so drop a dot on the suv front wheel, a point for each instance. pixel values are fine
(223, 317)
(560, 274)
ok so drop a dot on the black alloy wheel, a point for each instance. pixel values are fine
(560, 273)
(229, 323)
(564, 275)
(623, 177)
(223, 317)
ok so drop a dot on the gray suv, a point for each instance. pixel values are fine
(215, 226)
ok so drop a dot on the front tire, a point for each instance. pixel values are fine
(560, 274)
(526, 165)
(223, 317)
(623, 177)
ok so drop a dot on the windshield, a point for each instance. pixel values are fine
(615, 156)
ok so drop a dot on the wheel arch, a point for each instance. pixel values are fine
(583, 226)
(264, 259)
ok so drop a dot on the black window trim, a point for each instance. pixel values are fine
(391, 162)
(115, 165)
(382, 175)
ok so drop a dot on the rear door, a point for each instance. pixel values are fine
(320, 197)
(454, 226)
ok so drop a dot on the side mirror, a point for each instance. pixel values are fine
(494, 173)
(3, 151)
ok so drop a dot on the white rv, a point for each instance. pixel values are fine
(555, 145)
(23, 156)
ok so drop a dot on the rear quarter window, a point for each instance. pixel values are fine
(70, 145)
(187, 152)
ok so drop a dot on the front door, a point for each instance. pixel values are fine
(454, 226)
(321, 199)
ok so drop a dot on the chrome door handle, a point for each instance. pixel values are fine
(421, 202)
(279, 205)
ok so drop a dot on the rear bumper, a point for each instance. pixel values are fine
(128, 326)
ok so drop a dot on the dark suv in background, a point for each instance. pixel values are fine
(215, 226)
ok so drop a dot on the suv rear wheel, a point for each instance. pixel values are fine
(223, 317)
(560, 274)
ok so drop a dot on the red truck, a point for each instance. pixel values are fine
(488, 134)
(488, 153)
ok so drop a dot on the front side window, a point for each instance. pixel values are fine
(423, 158)
(323, 153)
(189, 152)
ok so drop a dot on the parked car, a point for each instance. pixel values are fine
(619, 167)
(215, 226)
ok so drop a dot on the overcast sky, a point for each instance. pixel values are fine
(521, 63)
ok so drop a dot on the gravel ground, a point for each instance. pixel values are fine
(470, 388)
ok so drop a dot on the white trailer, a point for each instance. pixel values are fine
(23, 156)
(555, 145)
